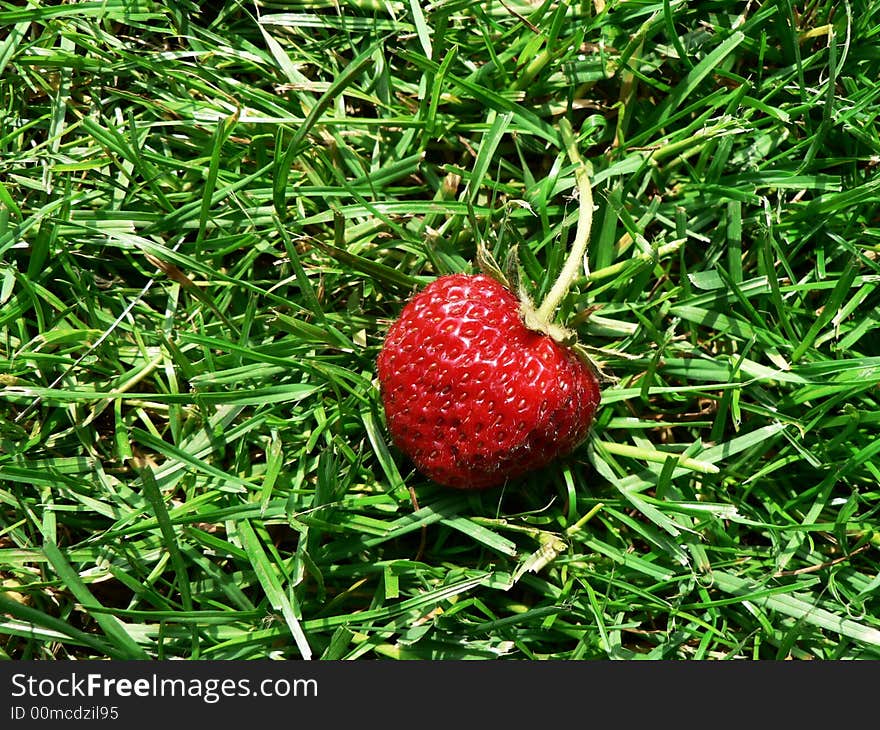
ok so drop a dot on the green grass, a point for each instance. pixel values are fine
(209, 215)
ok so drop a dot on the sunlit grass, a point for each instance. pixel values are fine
(209, 215)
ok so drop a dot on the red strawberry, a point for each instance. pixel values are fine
(471, 394)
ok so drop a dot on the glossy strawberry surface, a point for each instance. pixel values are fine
(471, 395)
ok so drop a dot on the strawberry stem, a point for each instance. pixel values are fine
(575, 259)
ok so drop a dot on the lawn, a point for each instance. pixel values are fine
(210, 214)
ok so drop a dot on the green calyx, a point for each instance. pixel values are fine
(541, 318)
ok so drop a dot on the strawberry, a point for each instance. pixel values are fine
(471, 394)
(480, 386)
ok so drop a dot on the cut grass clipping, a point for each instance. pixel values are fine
(209, 216)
